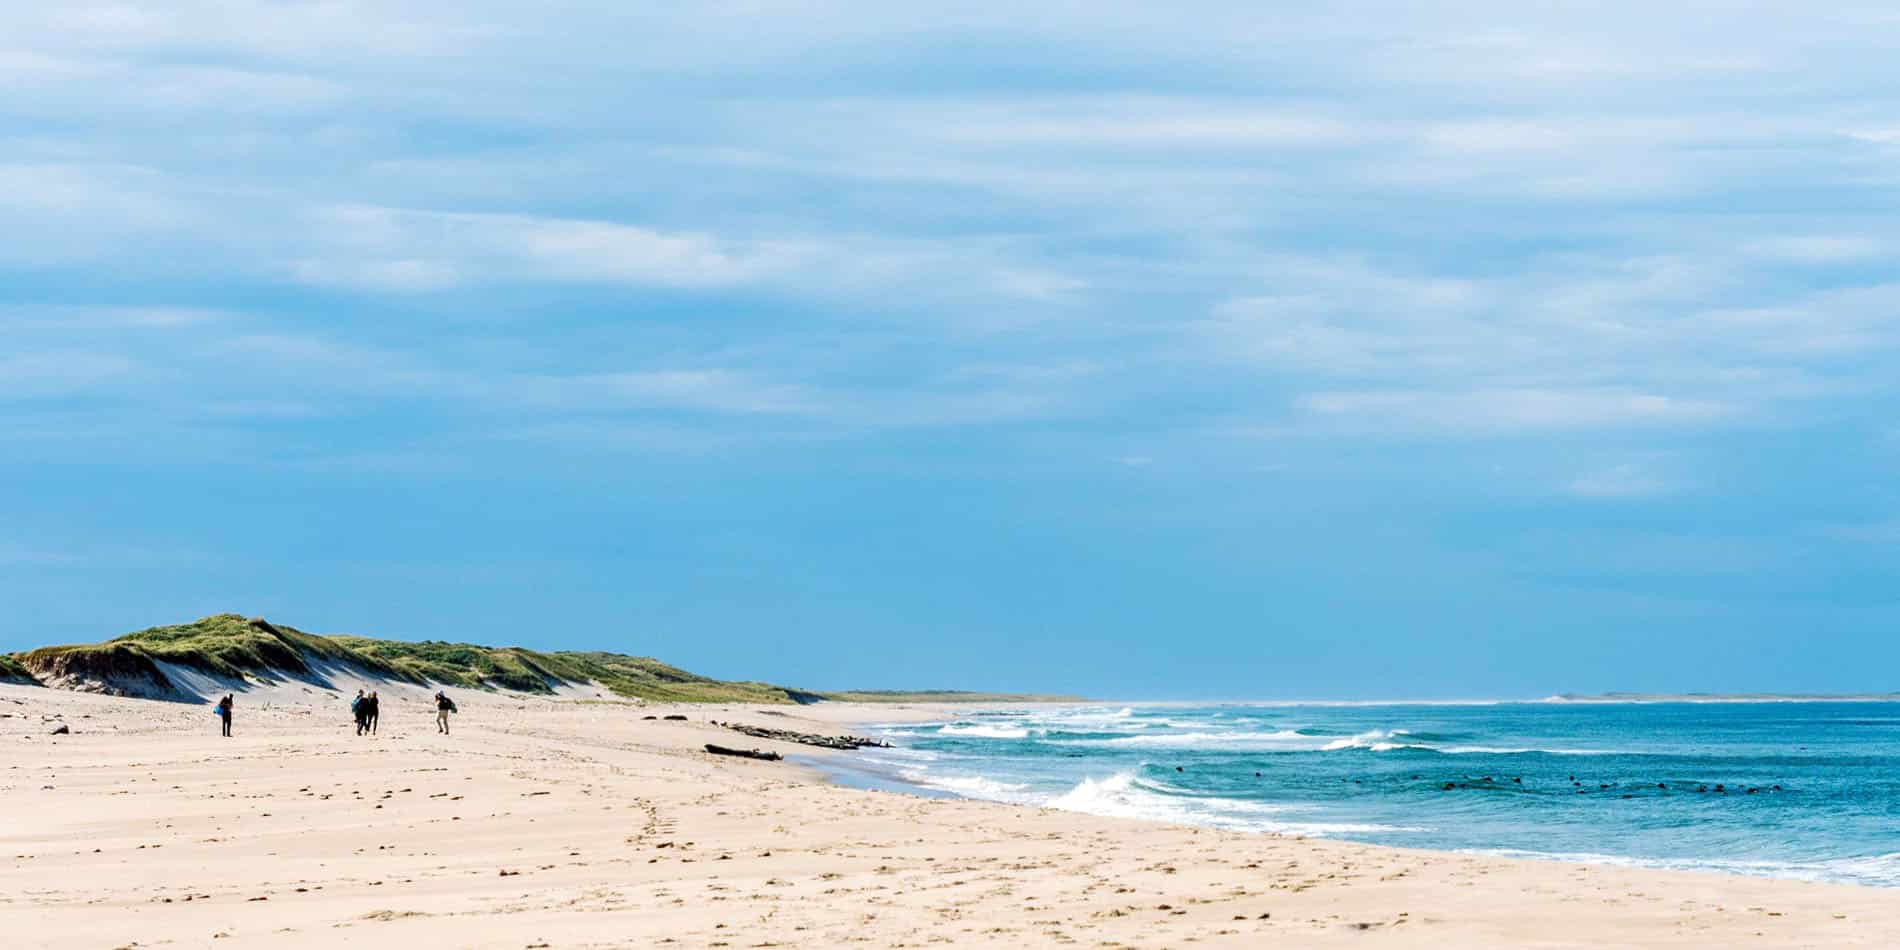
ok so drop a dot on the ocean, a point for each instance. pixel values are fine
(1806, 790)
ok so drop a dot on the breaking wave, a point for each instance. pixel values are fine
(982, 731)
(1583, 782)
(1194, 740)
(971, 786)
(1127, 795)
(1378, 740)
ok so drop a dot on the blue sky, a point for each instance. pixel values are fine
(1184, 350)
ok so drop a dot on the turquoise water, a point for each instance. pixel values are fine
(1798, 790)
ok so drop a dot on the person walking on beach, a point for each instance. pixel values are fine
(443, 706)
(370, 711)
(224, 713)
(359, 708)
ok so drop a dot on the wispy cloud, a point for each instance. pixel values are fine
(1625, 480)
(19, 555)
(400, 249)
(59, 373)
(1819, 248)
(1436, 224)
(705, 390)
(1878, 532)
(1511, 409)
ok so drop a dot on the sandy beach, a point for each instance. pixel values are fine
(577, 822)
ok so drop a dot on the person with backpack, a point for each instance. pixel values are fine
(358, 709)
(224, 713)
(443, 706)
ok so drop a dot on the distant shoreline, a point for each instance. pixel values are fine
(1643, 698)
(1598, 699)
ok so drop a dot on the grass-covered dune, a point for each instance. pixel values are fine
(12, 672)
(223, 645)
(939, 696)
(237, 649)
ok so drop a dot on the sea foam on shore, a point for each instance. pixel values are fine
(1802, 791)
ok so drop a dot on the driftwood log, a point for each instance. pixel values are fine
(743, 753)
(845, 743)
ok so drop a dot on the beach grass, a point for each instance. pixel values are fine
(237, 648)
(12, 672)
(943, 696)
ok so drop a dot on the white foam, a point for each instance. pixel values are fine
(1163, 724)
(970, 786)
(1378, 740)
(981, 731)
(1193, 740)
(1492, 750)
(1090, 714)
(1124, 795)
(1879, 870)
(1365, 703)
(1089, 720)
(904, 753)
(1106, 797)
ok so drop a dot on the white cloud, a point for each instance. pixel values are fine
(1042, 286)
(1135, 124)
(129, 196)
(19, 555)
(596, 250)
(1627, 480)
(1511, 409)
(704, 390)
(411, 250)
(1563, 343)
(53, 318)
(1443, 220)
(60, 372)
(402, 275)
(402, 250)
(1818, 248)
(302, 28)
(1877, 531)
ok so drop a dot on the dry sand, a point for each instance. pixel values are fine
(569, 824)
